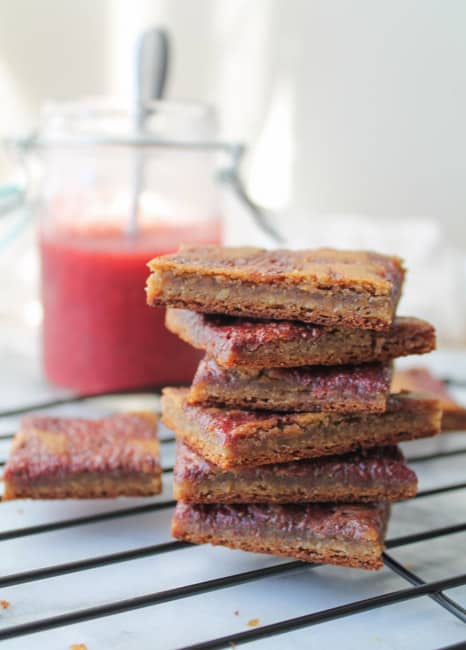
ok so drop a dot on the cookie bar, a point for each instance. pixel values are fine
(423, 381)
(368, 475)
(355, 289)
(230, 438)
(345, 535)
(60, 458)
(261, 344)
(338, 389)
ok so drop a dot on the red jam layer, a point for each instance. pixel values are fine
(48, 446)
(99, 335)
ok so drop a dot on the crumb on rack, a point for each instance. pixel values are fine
(236, 612)
(4, 604)
(78, 646)
(253, 622)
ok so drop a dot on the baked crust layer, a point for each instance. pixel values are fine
(79, 458)
(345, 535)
(238, 342)
(366, 476)
(85, 486)
(422, 380)
(327, 389)
(230, 438)
(356, 289)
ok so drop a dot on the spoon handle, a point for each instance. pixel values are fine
(150, 77)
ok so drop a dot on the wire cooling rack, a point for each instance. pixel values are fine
(107, 574)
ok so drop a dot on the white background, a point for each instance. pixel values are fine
(371, 94)
(354, 111)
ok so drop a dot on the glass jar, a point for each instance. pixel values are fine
(110, 198)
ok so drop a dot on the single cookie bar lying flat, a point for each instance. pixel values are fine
(328, 287)
(231, 438)
(366, 476)
(327, 389)
(346, 535)
(265, 344)
(61, 458)
(423, 381)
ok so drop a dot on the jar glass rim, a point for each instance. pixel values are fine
(101, 121)
(101, 107)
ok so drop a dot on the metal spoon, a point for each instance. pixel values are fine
(150, 76)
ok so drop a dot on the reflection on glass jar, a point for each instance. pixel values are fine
(98, 333)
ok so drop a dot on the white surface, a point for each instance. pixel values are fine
(354, 112)
(351, 106)
(415, 624)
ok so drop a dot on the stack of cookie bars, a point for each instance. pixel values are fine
(286, 440)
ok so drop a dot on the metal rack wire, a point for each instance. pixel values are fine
(416, 586)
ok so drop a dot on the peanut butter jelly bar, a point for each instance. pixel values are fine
(60, 458)
(366, 476)
(352, 289)
(346, 535)
(231, 438)
(237, 342)
(423, 381)
(327, 389)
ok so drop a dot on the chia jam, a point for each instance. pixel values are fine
(98, 333)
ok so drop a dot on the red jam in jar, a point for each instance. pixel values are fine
(98, 333)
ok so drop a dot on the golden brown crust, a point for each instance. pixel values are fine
(327, 389)
(84, 486)
(422, 380)
(243, 491)
(238, 342)
(328, 287)
(338, 555)
(453, 420)
(80, 458)
(325, 266)
(344, 535)
(230, 438)
(368, 476)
